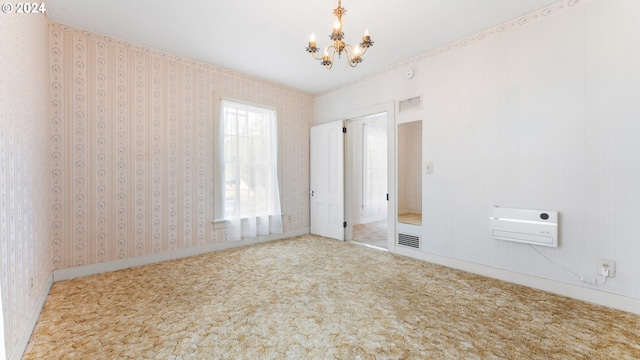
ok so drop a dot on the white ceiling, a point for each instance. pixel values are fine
(267, 39)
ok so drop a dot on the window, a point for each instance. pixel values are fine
(374, 171)
(249, 170)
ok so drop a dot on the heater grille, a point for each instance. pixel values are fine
(411, 104)
(407, 240)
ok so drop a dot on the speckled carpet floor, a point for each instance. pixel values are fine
(315, 298)
(410, 218)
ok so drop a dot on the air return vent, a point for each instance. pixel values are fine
(414, 103)
(407, 240)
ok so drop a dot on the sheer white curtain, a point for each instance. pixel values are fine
(374, 171)
(250, 170)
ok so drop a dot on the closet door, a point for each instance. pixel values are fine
(327, 180)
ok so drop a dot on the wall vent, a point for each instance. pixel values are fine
(407, 240)
(411, 104)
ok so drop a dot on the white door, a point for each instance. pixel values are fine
(327, 180)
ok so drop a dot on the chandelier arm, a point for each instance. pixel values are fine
(349, 53)
(363, 50)
(327, 61)
(333, 56)
(316, 57)
(331, 49)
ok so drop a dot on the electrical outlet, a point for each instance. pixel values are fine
(604, 264)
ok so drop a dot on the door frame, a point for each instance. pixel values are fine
(389, 109)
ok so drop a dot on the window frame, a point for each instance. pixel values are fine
(218, 148)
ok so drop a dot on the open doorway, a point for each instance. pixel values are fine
(366, 185)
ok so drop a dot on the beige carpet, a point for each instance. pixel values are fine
(315, 298)
(410, 218)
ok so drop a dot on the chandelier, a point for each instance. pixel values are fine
(353, 53)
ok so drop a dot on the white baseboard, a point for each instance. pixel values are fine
(79, 271)
(21, 345)
(595, 296)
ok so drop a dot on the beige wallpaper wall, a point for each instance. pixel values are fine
(410, 167)
(132, 148)
(25, 206)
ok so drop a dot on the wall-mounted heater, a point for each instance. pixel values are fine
(538, 227)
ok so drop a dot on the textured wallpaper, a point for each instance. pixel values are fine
(410, 167)
(24, 168)
(133, 148)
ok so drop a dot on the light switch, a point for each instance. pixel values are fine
(428, 168)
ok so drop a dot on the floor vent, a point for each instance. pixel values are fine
(407, 240)
(414, 103)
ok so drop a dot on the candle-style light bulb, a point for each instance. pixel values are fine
(337, 25)
(312, 44)
(366, 40)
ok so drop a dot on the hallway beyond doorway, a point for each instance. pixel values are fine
(373, 233)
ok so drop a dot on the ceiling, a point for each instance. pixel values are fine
(267, 39)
